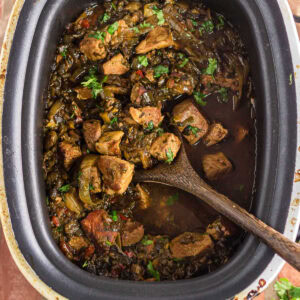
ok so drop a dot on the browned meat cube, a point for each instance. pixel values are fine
(109, 143)
(220, 228)
(181, 83)
(97, 226)
(95, 181)
(148, 9)
(191, 244)
(147, 114)
(158, 38)
(164, 144)
(94, 49)
(150, 75)
(221, 81)
(144, 202)
(216, 165)
(78, 242)
(136, 93)
(132, 233)
(133, 6)
(83, 93)
(215, 134)
(70, 153)
(117, 65)
(186, 114)
(117, 174)
(91, 132)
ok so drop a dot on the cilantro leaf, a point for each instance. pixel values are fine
(114, 215)
(91, 187)
(85, 264)
(146, 242)
(185, 61)
(145, 24)
(160, 70)
(159, 14)
(194, 22)
(150, 126)
(114, 120)
(64, 188)
(207, 26)
(64, 53)
(199, 98)
(212, 67)
(193, 130)
(152, 271)
(221, 23)
(108, 243)
(92, 83)
(170, 156)
(143, 60)
(135, 29)
(172, 199)
(112, 28)
(105, 18)
(99, 35)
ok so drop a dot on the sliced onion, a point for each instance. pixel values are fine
(72, 202)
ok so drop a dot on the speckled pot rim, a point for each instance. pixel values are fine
(293, 219)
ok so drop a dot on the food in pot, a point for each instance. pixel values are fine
(125, 75)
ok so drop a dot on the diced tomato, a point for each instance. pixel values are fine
(140, 72)
(122, 217)
(55, 221)
(85, 23)
(129, 253)
(89, 251)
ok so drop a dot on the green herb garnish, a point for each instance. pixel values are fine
(185, 61)
(170, 156)
(221, 22)
(92, 83)
(145, 24)
(59, 228)
(99, 35)
(114, 120)
(212, 67)
(91, 187)
(88, 151)
(64, 53)
(85, 264)
(194, 22)
(105, 18)
(193, 130)
(150, 126)
(291, 79)
(180, 55)
(143, 60)
(159, 14)
(146, 242)
(199, 98)
(286, 291)
(112, 28)
(224, 94)
(113, 6)
(114, 215)
(64, 188)
(152, 271)
(207, 26)
(172, 199)
(160, 70)
(135, 29)
(108, 243)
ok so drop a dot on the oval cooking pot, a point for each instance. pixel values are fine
(37, 32)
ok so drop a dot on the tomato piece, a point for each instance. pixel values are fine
(140, 72)
(89, 251)
(85, 23)
(122, 217)
(55, 221)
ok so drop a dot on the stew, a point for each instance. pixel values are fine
(125, 74)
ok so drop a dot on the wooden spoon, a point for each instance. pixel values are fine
(180, 174)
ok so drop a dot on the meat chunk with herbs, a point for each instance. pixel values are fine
(109, 143)
(98, 227)
(232, 83)
(70, 153)
(117, 174)
(91, 132)
(83, 93)
(117, 65)
(191, 244)
(132, 232)
(165, 147)
(221, 228)
(136, 93)
(93, 47)
(157, 38)
(215, 134)
(147, 116)
(216, 165)
(181, 83)
(78, 243)
(190, 121)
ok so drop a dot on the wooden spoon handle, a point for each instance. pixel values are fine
(287, 249)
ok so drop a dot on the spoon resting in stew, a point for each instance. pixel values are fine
(182, 175)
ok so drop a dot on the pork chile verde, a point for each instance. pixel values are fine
(118, 69)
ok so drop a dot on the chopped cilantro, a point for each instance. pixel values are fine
(64, 188)
(159, 14)
(112, 28)
(99, 35)
(207, 26)
(150, 126)
(64, 53)
(143, 60)
(145, 24)
(152, 271)
(291, 79)
(172, 199)
(224, 94)
(185, 61)
(199, 98)
(181, 55)
(135, 29)
(221, 23)
(193, 130)
(146, 242)
(286, 291)
(105, 18)
(194, 22)
(88, 151)
(85, 264)
(170, 156)
(92, 83)
(59, 228)
(114, 215)
(114, 120)
(108, 243)
(91, 187)
(160, 70)
(113, 6)
(212, 67)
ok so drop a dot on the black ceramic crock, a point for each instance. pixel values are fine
(38, 28)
